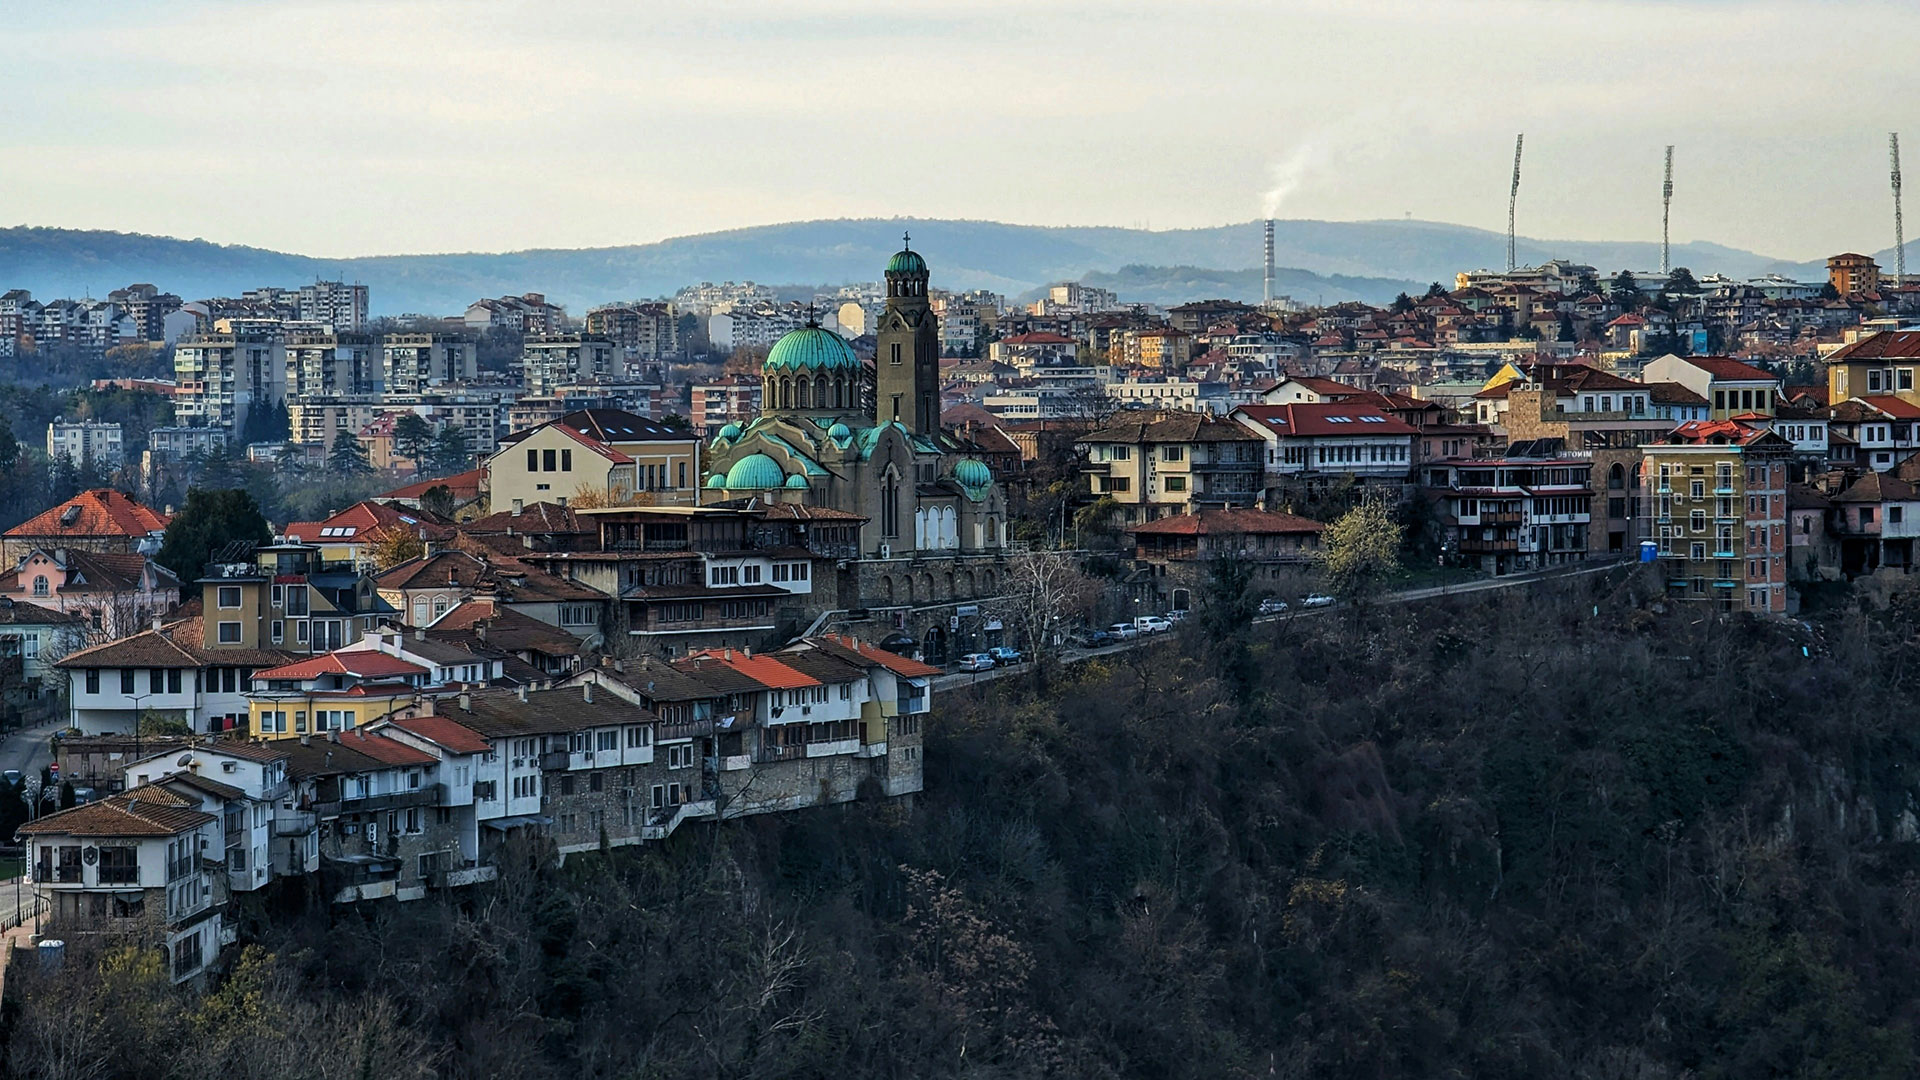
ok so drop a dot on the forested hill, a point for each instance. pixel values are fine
(1545, 832)
(1315, 256)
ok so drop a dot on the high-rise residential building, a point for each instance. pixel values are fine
(86, 441)
(526, 314)
(148, 307)
(416, 362)
(1852, 274)
(1719, 492)
(730, 399)
(550, 361)
(323, 365)
(335, 303)
(224, 377)
(642, 331)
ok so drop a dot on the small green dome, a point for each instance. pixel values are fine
(755, 472)
(906, 261)
(839, 432)
(716, 482)
(730, 432)
(796, 482)
(972, 473)
(811, 348)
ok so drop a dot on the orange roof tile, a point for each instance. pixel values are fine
(99, 512)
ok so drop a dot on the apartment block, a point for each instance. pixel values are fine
(1719, 492)
(551, 361)
(324, 365)
(224, 377)
(415, 363)
(86, 441)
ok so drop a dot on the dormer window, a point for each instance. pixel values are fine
(40, 585)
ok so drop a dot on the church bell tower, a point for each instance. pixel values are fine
(907, 366)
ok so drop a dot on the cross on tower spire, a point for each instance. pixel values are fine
(906, 239)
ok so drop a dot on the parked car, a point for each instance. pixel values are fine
(975, 661)
(1092, 639)
(1272, 605)
(1316, 600)
(1122, 631)
(1004, 654)
(1178, 614)
(1152, 624)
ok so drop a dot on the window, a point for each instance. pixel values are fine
(533, 460)
(608, 740)
(1118, 453)
(93, 680)
(1866, 515)
(566, 461)
(126, 680)
(40, 585)
(229, 596)
(596, 781)
(636, 736)
(229, 633)
(680, 756)
(1176, 483)
(1172, 453)
(550, 460)
(1895, 514)
(577, 614)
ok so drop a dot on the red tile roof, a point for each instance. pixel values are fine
(99, 512)
(385, 750)
(1728, 369)
(764, 670)
(1885, 345)
(464, 486)
(1038, 337)
(364, 663)
(1897, 408)
(894, 662)
(1230, 522)
(361, 521)
(1699, 432)
(445, 733)
(1326, 418)
(148, 810)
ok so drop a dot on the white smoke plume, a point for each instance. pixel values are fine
(1290, 173)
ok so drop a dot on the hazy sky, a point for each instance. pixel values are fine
(347, 127)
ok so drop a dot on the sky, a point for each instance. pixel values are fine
(359, 127)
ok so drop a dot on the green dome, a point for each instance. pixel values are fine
(839, 432)
(730, 432)
(812, 348)
(906, 262)
(796, 482)
(755, 472)
(716, 482)
(973, 474)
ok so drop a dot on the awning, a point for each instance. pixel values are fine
(518, 821)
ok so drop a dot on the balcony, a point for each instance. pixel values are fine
(684, 729)
(424, 795)
(1504, 517)
(555, 760)
(293, 823)
(1503, 546)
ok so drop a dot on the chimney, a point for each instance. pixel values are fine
(480, 630)
(306, 740)
(333, 736)
(156, 621)
(586, 692)
(420, 633)
(466, 701)
(523, 691)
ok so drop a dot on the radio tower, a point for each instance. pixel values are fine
(1513, 198)
(1269, 262)
(1899, 228)
(1666, 216)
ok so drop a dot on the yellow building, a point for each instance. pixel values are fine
(1719, 492)
(338, 691)
(1852, 274)
(604, 456)
(1878, 365)
(286, 596)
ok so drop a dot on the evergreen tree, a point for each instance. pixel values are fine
(1626, 291)
(413, 438)
(1434, 290)
(1566, 328)
(211, 520)
(1402, 304)
(1681, 281)
(450, 453)
(348, 457)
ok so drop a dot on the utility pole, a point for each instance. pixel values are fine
(1513, 197)
(1666, 216)
(1899, 227)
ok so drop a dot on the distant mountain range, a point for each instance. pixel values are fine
(1323, 260)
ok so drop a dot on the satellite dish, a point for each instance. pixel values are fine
(185, 759)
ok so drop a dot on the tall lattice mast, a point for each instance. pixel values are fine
(1899, 227)
(1666, 217)
(1513, 197)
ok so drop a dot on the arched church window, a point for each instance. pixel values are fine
(805, 394)
(1617, 477)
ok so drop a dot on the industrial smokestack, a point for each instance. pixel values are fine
(1267, 294)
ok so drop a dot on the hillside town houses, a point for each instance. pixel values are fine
(705, 556)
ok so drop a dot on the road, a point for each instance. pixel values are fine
(1075, 655)
(27, 749)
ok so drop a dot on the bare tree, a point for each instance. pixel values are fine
(1045, 592)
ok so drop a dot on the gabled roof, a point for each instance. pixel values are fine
(96, 571)
(1038, 337)
(463, 486)
(1705, 432)
(501, 714)
(1727, 369)
(1896, 408)
(762, 669)
(444, 733)
(147, 810)
(1672, 393)
(1806, 497)
(1181, 427)
(362, 521)
(1877, 487)
(1326, 418)
(361, 663)
(585, 440)
(1885, 345)
(619, 426)
(95, 513)
(1230, 522)
(854, 650)
(22, 613)
(541, 518)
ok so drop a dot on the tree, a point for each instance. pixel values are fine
(1361, 549)
(1626, 291)
(1680, 281)
(1588, 285)
(211, 520)
(1402, 304)
(1829, 292)
(395, 545)
(673, 421)
(1434, 290)
(348, 457)
(438, 499)
(1565, 332)
(1046, 592)
(450, 452)
(412, 437)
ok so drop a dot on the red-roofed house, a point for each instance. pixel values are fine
(1329, 439)
(560, 464)
(1178, 549)
(350, 535)
(336, 691)
(98, 520)
(1731, 386)
(463, 490)
(1036, 349)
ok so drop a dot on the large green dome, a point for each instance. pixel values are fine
(755, 472)
(972, 473)
(812, 348)
(906, 261)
